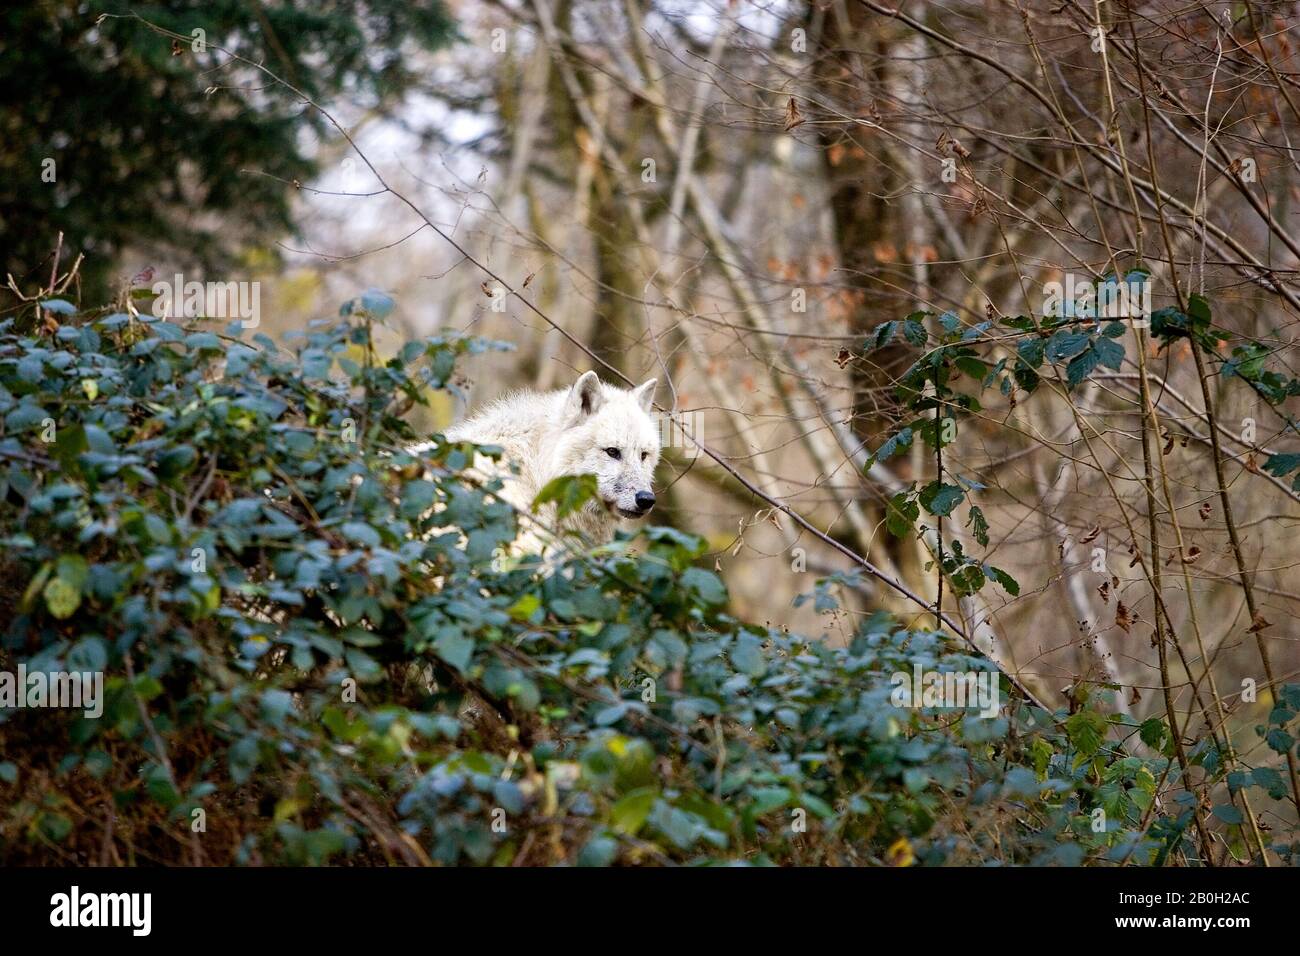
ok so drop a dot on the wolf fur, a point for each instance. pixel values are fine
(589, 428)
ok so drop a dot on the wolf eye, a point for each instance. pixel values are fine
(614, 453)
(645, 455)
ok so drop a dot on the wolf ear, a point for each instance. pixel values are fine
(584, 399)
(645, 394)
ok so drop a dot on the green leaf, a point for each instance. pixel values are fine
(376, 302)
(914, 331)
(1086, 731)
(767, 799)
(979, 525)
(455, 649)
(901, 512)
(894, 444)
(361, 533)
(748, 656)
(705, 585)
(881, 335)
(569, 492)
(1228, 813)
(629, 814)
(1279, 740)
(940, 498)
(61, 306)
(1030, 351)
(1152, 732)
(524, 608)
(1109, 353)
(1280, 465)
(1064, 344)
(61, 598)
(1080, 367)
(1009, 584)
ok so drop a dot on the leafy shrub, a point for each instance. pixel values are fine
(305, 665)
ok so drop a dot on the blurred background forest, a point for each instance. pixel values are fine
(734, 197)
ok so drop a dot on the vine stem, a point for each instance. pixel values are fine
(1243, 573)
(1162, 650)
(938, 531)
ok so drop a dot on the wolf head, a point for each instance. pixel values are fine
(609, 432)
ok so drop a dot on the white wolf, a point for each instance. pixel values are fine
(588, 429)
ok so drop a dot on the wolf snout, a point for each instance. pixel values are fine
(645, 500)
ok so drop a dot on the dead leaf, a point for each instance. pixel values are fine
(793, 117)
(1091, 535)
(1258, 624)
(1122, 619)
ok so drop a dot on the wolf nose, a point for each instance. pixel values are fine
(645, 500)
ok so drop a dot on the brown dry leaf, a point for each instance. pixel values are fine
(1258, 624)
(1091, 535)
(920, 253)
(1204, 511)
(884, 251)
(1192, 554)
(1104, 591)
(531, 277)
(793, 117)
(1122, 619)
(843, 358)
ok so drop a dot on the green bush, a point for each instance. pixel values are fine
(237, 537)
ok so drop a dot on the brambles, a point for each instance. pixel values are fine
(300, 667)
